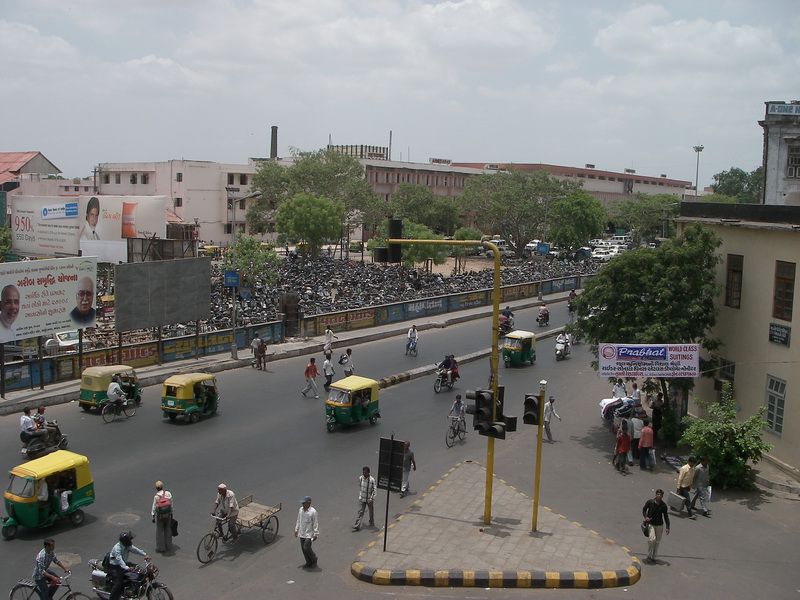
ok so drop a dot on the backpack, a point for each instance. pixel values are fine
(163, 505)
(343, 359)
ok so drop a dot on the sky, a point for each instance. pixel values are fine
(616, 84)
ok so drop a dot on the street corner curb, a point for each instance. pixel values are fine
(497, 578)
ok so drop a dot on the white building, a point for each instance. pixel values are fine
(781, 161)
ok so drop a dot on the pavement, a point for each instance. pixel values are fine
(431, 544)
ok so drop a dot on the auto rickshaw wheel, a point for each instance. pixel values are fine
(9, 532)
(331, 426)
(194, 417)
(77, 517)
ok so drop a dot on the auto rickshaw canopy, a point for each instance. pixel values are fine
(97, 379)
(181, 386)
(341, 392)
(56, 462)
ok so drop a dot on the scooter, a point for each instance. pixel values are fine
(543, 319)
(562, 349)
(139, 582)
(37, 446)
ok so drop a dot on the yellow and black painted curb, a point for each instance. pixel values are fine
(497, 579)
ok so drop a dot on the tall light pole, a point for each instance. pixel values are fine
(697, 149)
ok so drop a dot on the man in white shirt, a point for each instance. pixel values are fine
(549, 412)
(307, 529)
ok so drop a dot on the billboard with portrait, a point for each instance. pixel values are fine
(39, 297)
(56, 226)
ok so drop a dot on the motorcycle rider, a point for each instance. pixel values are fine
(447, 365)
(118, 564)
(412, 337)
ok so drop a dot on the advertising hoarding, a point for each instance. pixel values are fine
(39, 297)
(56, 226)
(649, 360)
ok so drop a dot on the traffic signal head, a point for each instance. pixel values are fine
(530, 414)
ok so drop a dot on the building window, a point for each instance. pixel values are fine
(784, 290)
(133, 178)
(793, 163)
(106, 178)
(733, 281)
(145, 178)
(776, 397)
(230, 178)
(117, 178)
(243, 179)
(178, 202)
(178, 176)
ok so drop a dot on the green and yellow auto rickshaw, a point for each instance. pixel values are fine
(351, 400)
(191, 395)
(95, 381)
(519, 347)
(47, 489)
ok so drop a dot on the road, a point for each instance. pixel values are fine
(270, 441)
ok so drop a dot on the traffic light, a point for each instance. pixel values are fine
(482, 414)
(396, 233)
(530, 414)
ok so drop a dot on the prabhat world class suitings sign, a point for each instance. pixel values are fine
(649, 360)
(40, 297)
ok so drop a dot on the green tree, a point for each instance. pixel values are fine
(514, 204)
(745, 187)
(649, 215)
(5, 241)
(728, 443)
(252, 259)
(576, 219)
(309, 221)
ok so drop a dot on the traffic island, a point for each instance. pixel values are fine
(441, 542)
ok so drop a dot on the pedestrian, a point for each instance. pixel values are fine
(408, 464)
(366, 498)
(310, 374)
(346, 360)
(657, 406)
(655, 515)
(685, 481)
(254, 344)
(700, 483)
(307, 529)
(327, 370)
(329, 337)
(619, 391)
(646, 446)
(161, 512)
(621, 447)
(549, 411)
(637, 422)
(46, 581)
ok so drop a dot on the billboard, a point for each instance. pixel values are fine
(56, 226)
(649, 360)
(39, 297)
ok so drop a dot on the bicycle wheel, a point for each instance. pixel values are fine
(23, 591)
(270, 530)
(450, 438)
(462, 430)
(109, 412)
(77, 596)
(129, 408)
(207, 548)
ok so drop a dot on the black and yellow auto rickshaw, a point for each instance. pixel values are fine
(519, 347)
(95, 381)
(351, 400)
(47, 489)
(191, 395)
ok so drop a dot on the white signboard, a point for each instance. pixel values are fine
(649, 360)
(53, 226)
(39, 297)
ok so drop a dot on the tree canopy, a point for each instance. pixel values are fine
(418, 204)
(252, 259)
(576, 219)
(650, 215)
(514, 204)
(309, 221)
(746, 187)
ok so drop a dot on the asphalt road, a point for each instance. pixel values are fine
(270, 441)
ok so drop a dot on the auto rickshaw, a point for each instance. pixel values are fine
(95, 381)
(192, 395)
(351, 400)
(519, 347)
(47, 489)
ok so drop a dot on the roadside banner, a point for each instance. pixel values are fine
(40, 297)
(649, 360)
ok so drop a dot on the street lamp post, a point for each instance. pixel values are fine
(698, 150)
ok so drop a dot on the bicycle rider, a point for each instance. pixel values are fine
(457, 411)
(46, 581)
(226, 508)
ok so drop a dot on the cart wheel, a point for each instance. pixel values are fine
(129, 408)
(373, 419)
(108, 412)
(450, 438)
(269, 530)
(437, 385)
(9, 532)
(77, 517)
(331, 427)
(207, 548)
(172, 416)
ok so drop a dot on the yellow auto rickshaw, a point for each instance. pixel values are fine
(191, 395)
(47, 489)
(351, 400)
(95, 381)
(519, 347)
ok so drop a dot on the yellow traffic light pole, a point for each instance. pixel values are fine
(493, 381)
(538, 472)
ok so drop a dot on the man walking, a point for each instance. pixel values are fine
(655, 514)
(307, 529)
(366, 498)
(549, 412)
(408, 464)
(700, 484)
(685, 479)
(311, 374)
(327, 370)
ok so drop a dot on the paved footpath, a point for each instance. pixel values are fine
(441, 541)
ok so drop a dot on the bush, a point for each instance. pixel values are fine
(729, 444)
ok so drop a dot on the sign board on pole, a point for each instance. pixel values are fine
(649, 360)
(391, 451)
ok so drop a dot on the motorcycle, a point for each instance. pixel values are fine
(506, 325)
(562, 349)
(443, 381)
(543, 319)
(139, 582)
(37, 446)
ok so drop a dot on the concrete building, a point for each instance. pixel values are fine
(781, 158)
(758, 276)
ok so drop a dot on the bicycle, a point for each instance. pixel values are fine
(25, 589)
(112, 409)
(457, 429)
